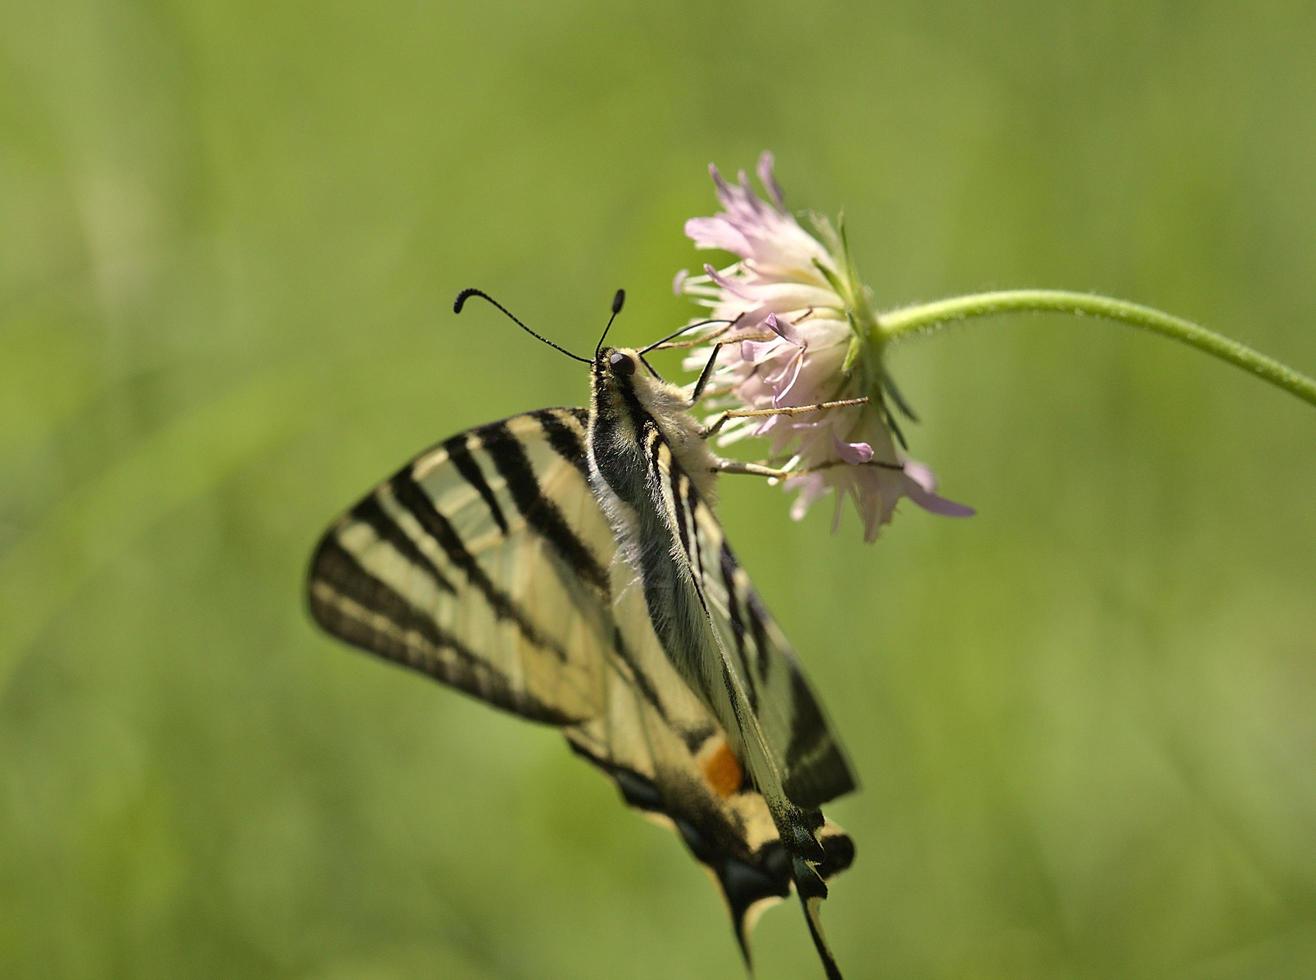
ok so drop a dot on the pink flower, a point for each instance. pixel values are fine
(806, 335)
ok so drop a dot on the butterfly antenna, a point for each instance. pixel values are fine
(687, 328)
(618, 300)
(466, 294)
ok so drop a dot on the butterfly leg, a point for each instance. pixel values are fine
(746, 413)
(704, 375)
(750, 469)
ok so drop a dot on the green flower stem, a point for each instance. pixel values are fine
(926, 317)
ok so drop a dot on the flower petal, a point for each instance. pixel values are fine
(920, 487)
(769, 180)
(853, 452)
(717, 233)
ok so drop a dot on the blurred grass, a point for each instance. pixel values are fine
(231, 235)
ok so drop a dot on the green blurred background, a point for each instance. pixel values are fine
(230, 234)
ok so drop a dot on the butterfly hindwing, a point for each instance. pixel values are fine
(672, 761)
(814, 768)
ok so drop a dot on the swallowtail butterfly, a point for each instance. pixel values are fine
(566, 565)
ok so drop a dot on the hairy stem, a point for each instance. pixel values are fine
(926, 317)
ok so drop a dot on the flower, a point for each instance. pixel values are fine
(804, 334)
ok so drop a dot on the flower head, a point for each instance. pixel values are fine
(804, 334)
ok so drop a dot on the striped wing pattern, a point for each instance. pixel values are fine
(488, 564)
(483, 563)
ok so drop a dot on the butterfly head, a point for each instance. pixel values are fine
(617, 376)
(617, 362)
(627, 372)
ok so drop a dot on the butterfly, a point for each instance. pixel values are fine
(566, 565)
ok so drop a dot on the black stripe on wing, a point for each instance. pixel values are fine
(370, 513)
(564, 427)
(353, 604)
(413, 498)
(738, 625)
(459, 454)
(630, 668)
(541, 513)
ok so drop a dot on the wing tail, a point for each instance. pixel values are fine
(811, 888)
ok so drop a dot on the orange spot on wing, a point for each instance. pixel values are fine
(722, 770)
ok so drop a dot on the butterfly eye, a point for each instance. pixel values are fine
(621, 364)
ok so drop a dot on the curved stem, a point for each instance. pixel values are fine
(926, 317)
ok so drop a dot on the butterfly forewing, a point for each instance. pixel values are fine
(483, 563)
